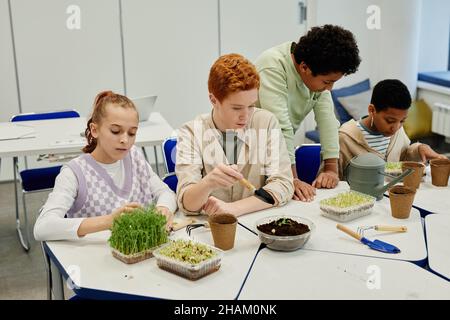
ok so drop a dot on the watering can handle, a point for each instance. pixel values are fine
(349, 232)
(405, 173)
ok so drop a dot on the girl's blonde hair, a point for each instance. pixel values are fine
(99, 112)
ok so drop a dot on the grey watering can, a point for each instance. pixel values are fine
(365, 174)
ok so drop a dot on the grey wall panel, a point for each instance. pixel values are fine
(60, 67)
(249, 27)
(8, 98)
(170, 46)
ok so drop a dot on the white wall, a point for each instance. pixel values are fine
(250, 27)
(434, 35)
(62, 68)
(390, 52)
(8, 93)
(8, 100)
(169, 49)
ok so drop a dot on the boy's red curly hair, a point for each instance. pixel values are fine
(232, 73)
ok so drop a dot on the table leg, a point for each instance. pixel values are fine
(25, 244)
(48, 272)
(58, 282)
(155, 150)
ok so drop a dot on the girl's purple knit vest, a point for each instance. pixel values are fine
(97, 193)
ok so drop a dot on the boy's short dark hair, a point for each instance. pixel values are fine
(390, 93)
(328, 49)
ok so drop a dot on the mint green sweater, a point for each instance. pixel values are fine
(283, 92)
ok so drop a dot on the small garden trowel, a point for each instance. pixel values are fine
(375, 245)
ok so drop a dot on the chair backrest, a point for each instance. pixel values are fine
(307, 161)
(169, 153)
(45, 115)
(343, 115)
(171, 180)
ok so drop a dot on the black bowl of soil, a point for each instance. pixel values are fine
(284, 233)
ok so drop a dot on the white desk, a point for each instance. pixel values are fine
(305, 274)
(327, 238)
(63, 136)
(431, 198)
(437, 227)
(92, 268)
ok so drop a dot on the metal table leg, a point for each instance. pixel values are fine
(24, 241)
(156, 160)
(48, 272)
(57, 282)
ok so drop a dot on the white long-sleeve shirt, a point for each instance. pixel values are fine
(52, 224)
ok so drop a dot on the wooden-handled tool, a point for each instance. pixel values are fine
(247, 184)
(391, 228)
(349, 232)
(375, 244)
(362, 230)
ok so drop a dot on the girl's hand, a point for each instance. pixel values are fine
(169, 216)
(216, 206)
(128, 207)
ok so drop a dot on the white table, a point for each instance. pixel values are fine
(437, 227)
(431, 198)
(327, 238)
(64, 136)
(305, 274)
(89, 264)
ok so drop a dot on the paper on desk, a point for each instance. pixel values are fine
(10, 131)
(69, 141)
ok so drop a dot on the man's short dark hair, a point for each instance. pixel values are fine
(390, 93)
(328, 49)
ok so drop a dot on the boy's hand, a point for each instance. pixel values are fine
(222, 176)
(327, 179)
(216, 206)
(303, 191)
(426, 153)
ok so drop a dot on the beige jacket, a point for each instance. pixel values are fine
(353, 143)
(263, 158)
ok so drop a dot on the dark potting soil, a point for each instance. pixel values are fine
(284, 227)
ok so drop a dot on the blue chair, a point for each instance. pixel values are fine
(171, 180)
(35, 180)
(342, 114)
(307, 162)
(169, 152)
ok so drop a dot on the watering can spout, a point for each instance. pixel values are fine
(395, 179)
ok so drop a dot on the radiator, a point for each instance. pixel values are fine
(441, 119)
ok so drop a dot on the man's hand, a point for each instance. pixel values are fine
(326, 180)
(217, 206)
(303, 191)
(426, 153)
(168, 214)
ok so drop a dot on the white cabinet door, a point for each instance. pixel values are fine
(170, 46)
(251, 26)
(64, 67)
(8, 98)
